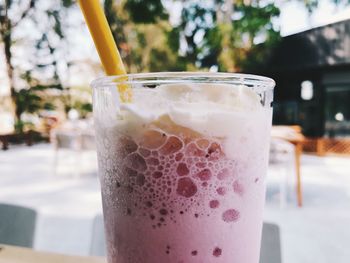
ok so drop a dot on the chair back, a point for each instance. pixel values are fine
(17, 225)
(281, 151)
(270, 251)
(88, 141)
(68, 140)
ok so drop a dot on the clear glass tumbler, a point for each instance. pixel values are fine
(182, 165)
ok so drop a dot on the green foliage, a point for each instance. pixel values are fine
(211, 47)
(84, 108)
(145, 11)
(197, 19)
(141, 40)
(255, 19)
(27, 101)
(254, 35)
(164, 60)
(230, 46)
(57, 26)
(21, 126)
(75, 98)
(173, 37)
(67, 3)
(33, 99)
(117, 22)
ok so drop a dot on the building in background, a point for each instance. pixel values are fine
(312, 73)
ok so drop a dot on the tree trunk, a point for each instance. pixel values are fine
(6, 35)
(229, 11)
(7, 48)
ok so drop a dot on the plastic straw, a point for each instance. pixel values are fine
(104, 42)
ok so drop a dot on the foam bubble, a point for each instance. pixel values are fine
(221, 190)
(217, 252)
(135, 161)
(214, 204)
(186, 187)
(174, 174)
(238, 188)
(230, 215)
(172, 145)
(204, 175)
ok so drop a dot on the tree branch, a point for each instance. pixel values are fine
(25, 12)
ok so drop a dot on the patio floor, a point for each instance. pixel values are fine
(67, 203)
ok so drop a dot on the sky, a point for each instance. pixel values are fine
(293, 19)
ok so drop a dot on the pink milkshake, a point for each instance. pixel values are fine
(182, 167)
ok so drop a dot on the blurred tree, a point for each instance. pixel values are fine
(224, 34)
(197, 37)
(139, 28)
(229, 35)
(253, 34)
(79, 99)
(46, 19)
(146, 11)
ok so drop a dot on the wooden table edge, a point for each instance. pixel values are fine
(13, 254)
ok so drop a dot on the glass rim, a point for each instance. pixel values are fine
(156, 78)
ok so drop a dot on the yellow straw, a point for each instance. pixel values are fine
(104, 42)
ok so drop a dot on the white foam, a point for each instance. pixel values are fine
(206, 108)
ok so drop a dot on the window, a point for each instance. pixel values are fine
(338, 110)
(307, 90)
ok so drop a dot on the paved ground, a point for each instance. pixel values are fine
(320, 231)
(67, 203)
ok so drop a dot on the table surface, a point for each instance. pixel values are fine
(11, 254)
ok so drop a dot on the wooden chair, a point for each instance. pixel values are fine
(75, 140)
(17, 225)
(70, 140)
(293, 135)
(282, 158)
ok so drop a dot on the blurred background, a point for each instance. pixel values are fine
(48, 61)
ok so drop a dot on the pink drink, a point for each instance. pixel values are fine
(185, 183)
